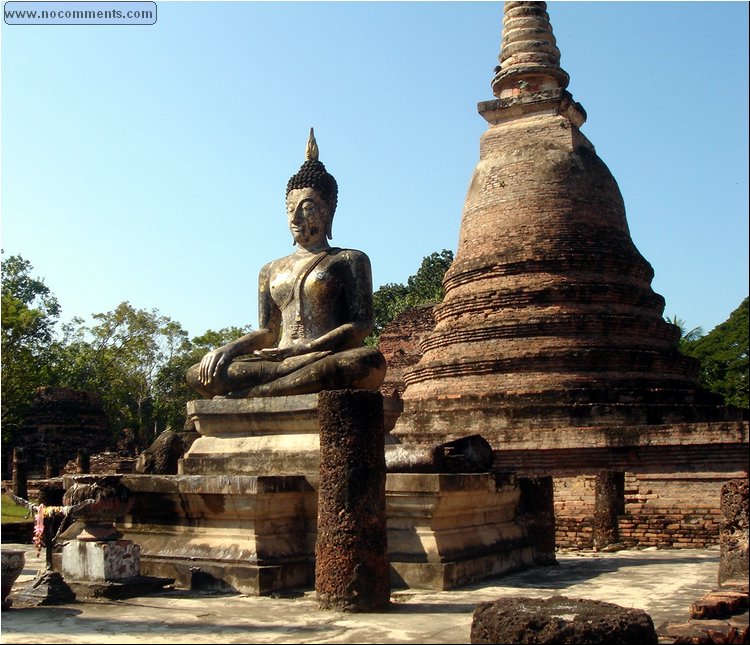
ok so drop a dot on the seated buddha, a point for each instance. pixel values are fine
(314, 310)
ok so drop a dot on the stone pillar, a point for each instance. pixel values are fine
(20, 474)
(605, 509)
(83, 463)
(50, 468)
(352, 571)
(733, 534)
(536, 513)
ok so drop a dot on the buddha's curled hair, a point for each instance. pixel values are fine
(313, 174)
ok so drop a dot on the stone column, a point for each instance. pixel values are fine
(606, 531)
(20, 474)
(83, 463)
(352, 571)
(536, 513)
(733, 535)
(50, 468)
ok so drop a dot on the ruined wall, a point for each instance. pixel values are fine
(574, 511)
(670, 494)
(678, 510)
(60, 422)
(399, 344)
(104, 463)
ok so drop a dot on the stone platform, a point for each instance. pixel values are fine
(268, 436)
(447, 530)
(242, 512)
(247, 533)
(256, 534)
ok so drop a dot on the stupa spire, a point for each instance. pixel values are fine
(529, 57)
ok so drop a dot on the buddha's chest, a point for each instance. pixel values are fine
(302, 285)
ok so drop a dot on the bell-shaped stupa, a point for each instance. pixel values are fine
(549, 319)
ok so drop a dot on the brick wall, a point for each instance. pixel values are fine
(671, 495)
(574, 511)
(662, 510)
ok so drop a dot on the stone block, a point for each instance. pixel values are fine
(100, 561)
(251, 534)
(560, 620)
(264, 436)
(446, 530)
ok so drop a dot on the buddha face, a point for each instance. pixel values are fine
(308, 215)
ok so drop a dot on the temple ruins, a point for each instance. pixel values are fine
(550, 349)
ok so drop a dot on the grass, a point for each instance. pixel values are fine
(12, 512)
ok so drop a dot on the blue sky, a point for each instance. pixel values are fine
(149, 163)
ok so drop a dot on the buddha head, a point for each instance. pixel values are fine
(312, 194)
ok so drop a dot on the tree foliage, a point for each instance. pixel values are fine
(686, 335)
(723, 354)
(120, 356)
(135, 359)
(29, 315)
(424, 287)
(170, 389)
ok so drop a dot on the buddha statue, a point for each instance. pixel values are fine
(314, 310)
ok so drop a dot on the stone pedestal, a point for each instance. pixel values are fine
(266, 436)
(12, 565)
(246, 533)
(96, 561)
(242, 513)
(116, 560)
(447, 530)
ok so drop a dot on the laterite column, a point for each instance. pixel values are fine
(352, 571)
(605, 510)
(19, 482)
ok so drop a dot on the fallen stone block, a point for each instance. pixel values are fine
(560, 620)
(705, 632)
(720, 603)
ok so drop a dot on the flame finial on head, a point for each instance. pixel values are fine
(312, 152)
(313, 174)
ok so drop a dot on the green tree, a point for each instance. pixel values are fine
(424, 287)
(723, 354)
(170, 389)
(686, 336)
(29, 315)
(119, 357)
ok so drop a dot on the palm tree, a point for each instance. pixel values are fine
(685, 336)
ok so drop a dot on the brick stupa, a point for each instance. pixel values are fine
(549, 319)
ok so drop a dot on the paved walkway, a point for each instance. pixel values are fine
(662, 582)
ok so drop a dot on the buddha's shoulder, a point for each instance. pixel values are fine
(348, 254)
